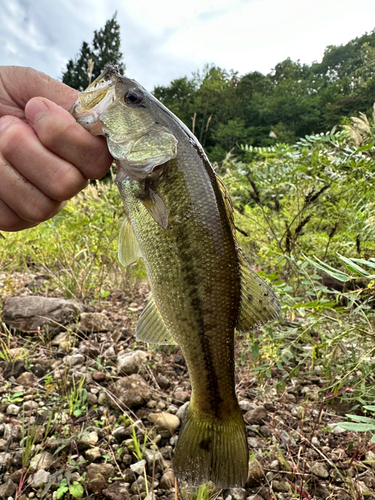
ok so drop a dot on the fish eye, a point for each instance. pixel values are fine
(133, 97)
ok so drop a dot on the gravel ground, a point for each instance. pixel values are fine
(87, 412)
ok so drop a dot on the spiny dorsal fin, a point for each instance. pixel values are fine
(151, 327)
(128, 248)
(259, 303)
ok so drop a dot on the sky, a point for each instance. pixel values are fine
(166, 39)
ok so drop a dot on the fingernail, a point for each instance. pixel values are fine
(35, 110)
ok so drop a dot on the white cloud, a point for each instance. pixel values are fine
(162, 41)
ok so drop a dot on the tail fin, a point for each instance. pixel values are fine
(212, 451)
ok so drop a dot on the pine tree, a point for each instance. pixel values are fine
(104, 49)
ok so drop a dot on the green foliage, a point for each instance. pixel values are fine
(75, 489)
(359, 423)
(305, 219)
(104, 49)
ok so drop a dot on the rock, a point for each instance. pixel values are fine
(95, 322)
(132, 391)
(75, 360)
(5, 461)
(274, 466)
(87, 440)
(131, 362)
(27, 379)
(89, 348)
(33, 312)
(163, 382)
(40, 478)
(121, 433)
(99, 376)
(13, 409)
(154, 461)
(138, 467)
(42, 460)
(181, 411)
(97, 476)
(8, 489)
(30, 406)
(181, 395)
(139, 486)
(256, 473)
(237, 493)
(280, 486)
(320, 470)
(167, 480)
(265, 431)
(245, 405)
(93, 454)
(55, 443)
(370, 459)
(257, 416)
(62, 340)
(116, 491)
(165, 423)
(337, 429)
(290, 398)
(3, 444)
(128, 476)
(315, 441)
(255, 497)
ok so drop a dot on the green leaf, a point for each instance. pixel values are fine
(369, 407)
(76, 490)
(359, 418)
(61, 491)
(353, 266)
(352, 426)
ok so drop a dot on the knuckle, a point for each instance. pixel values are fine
(64, 187)
(10, 138)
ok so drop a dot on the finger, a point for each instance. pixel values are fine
(61, 134)
(22, 84)
(26, 200)
(52, 175)
(10, 221)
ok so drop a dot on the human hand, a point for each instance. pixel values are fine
(46, 157)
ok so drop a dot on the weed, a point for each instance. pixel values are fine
(77, 399)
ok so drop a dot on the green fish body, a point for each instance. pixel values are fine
(179, 220)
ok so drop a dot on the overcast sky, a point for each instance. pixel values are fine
(167, 39)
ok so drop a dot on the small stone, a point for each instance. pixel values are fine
(280, 486)
(182, 411)
(255, 497)
(165, 423)
(139, 486)
(99, 376)
(40, 478)
(13, 409)
(62, 340)
(30, 406)
(181, 395)
(92, 399)
(120, 433)
(5, 461)
(27, 379)
(167, 480)
(257, 416)
(315, 441)
(237, 493)
(290, 398)
(93, 454)
(256, 473)
(42, 460)
(370, 459)
(132, 391)
(75, 360)
(320, 470)
(87, 440)
(95, 322)
(98, 475)
(3, 444)
(117, 491)
(7, 489)
(274, 466)
(154, 460)
(163, 382)
(110, 353)
(138, 467)
(245, 405)
(131, 362)
(265, 431)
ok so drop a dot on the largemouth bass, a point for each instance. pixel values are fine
(179, 220)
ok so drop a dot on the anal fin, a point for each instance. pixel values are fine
(151, 327)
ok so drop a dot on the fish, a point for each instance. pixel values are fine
(179, 219)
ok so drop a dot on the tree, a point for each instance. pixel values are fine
(104, 49)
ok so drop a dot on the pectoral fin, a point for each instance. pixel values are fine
(151, 327)
(259, 303)
(128, 248)
(155, 205)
